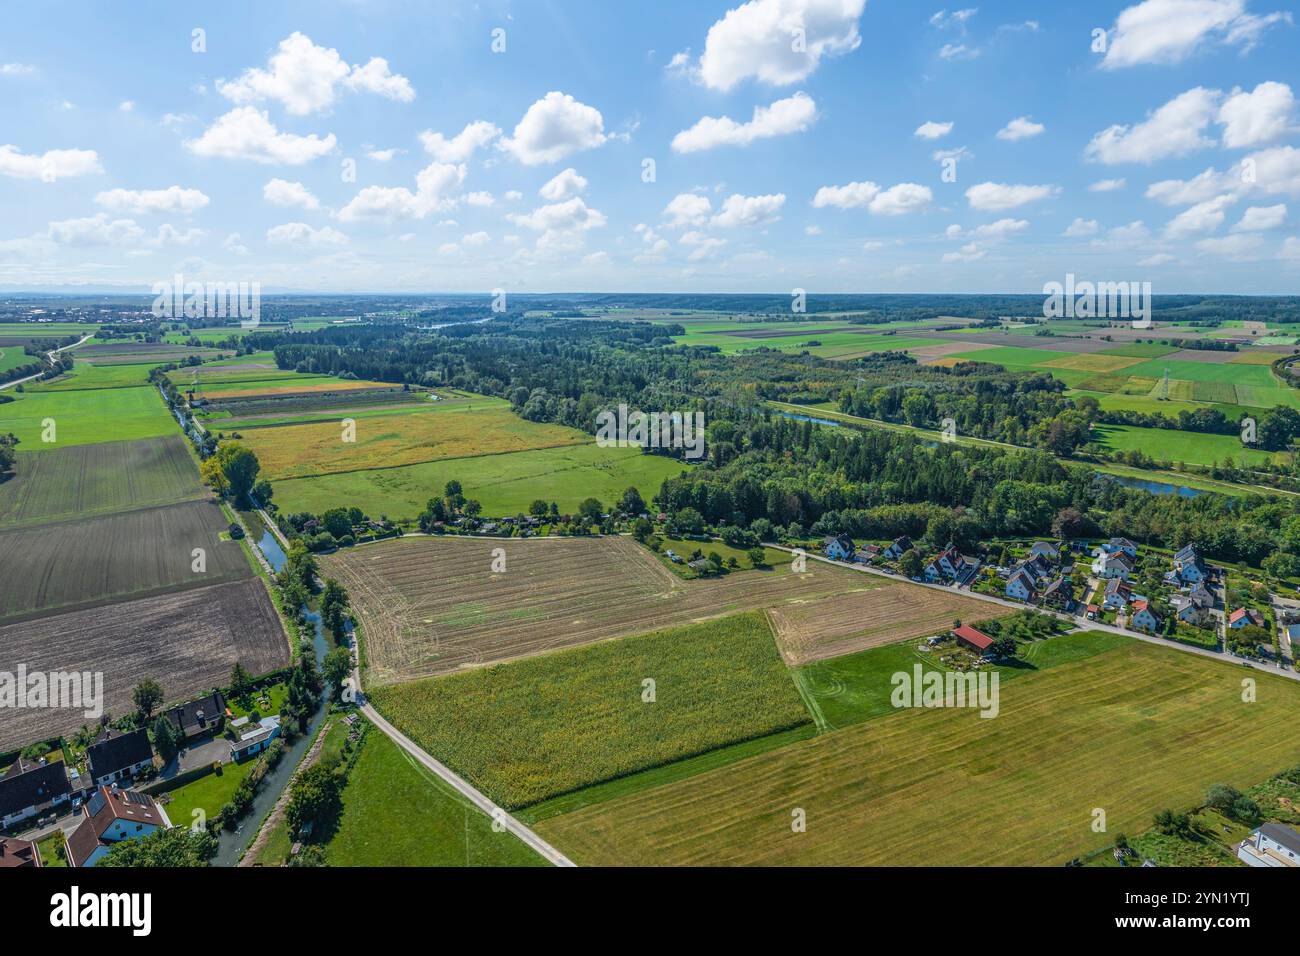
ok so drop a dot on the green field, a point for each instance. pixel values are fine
(84, 480)
(209, 793)
(398, 813)
(87, 376)
(503, 484)
(539, 727)
(1193, 448)
(86, 416)
(1130, 730)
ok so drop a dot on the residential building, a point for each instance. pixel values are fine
(1120, 546)
(15, 853)
(1059, 594)
(29, 788)
(116, 757)
(1117, 594)
(898, 547)
(1143, 617)
(1114, 564)
(949, 565)
(198, 717)
(113, 815)
(1188, 567)
(255, 737)
(1245, 616)
(1021, 585)
(839, 547)
(1272, 844)
(1045, 549)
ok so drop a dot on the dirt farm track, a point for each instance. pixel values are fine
(430, 606)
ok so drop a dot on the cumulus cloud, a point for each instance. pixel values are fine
(740, 210)
(932, 130)
(461, 147)
(1022, 127)
(301, 234)
(306, 78)
(248, 133)
(896, 200)
(49, 166)
(688, 209)
(1002, 228)
(554, 127)
(971, 252)
(96, 230)
(1168, 31)
(1182, 192)
(777, 42)
(1201, 218)
(1107, 185)
(144, 201)
(281, 192)
(431, 194)
(701, 246)
(1081, 227)
(564, 184)
(16, 69)
(791, 115)
(1257, 117)
(572, 215)
(1175, 129)
(1240, 247)
(995, 197)
(1261, 218)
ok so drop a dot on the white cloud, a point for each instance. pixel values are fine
(1290, 249)
(461, 147)
(381, 155)
(1002, 228)
(16, 69)
(1159, 259)
(851, 196)
(970, 252)
(248, 133)
(791, 115)
(1174, 129)
(1258, 117)
(232, 245)
(932, 130)
(995, 197)
(572, 215)
(957, 51)
(1134, 234)
(1240, 247)
(96, 230)
(740, 210)
(1276, 171)
(49, 166)
(1107, 185)
(596, 260)
(479, 199)
(433, 183)
(301, 234)
(1022, 127)
(1261, 218)
(1167, 31)
(512, 195)
(901, 199)
(281, 192)
(701, 246)
(1203, 217)
(1182, 192)
(1081, 227)
(169, 235)
(564, 184)
(476, 239)
(126, 106)
(144, 201)
(688, 209)
(554, 127)
(306, 78)
(756, 40)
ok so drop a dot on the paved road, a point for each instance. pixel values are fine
(1081, 623)
(19, 381)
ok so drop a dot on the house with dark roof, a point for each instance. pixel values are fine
(1120, 546)
(1188, 567)
(900, 546)
(949, 564)
(1059, 594)
(1272, 844)
(15, 853)
(113, 815)
(970, 637)
(198, 717)
(1022, 585)
(29, 788)
(1114, 564)
(1118, 593)
(1046, 549)
(117, 757)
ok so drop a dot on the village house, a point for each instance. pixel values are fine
(1143, 617)
(968, 636)
(1118, 594)
(254, 738)
(112, 815)
(870, 553)
(1245, 616)
(1120, 546)
(1046, 549)
(116, 757)
(198, 717)
(1272, 844)
(1114, 564)
(1192, 607)
(15, 853)
(900, 546)
(29, 788)
(1057, 595)
(948, 565)
(1188, 567)
(838, 547)
(1021, 585)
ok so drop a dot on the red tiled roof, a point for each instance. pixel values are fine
(1237, 615)
(971, 636)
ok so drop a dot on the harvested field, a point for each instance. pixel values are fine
(533, 729)
(296, 451)
(227, 392)
(846, 623)
(433, 605)
(76, 563)
(927, 354)
(1092, 362)
(86, 480)
(1133, 730)
(188, 642)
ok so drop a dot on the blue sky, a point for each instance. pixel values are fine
(386, 146)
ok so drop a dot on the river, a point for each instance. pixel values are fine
(1155, 487)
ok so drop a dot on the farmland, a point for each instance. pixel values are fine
(532, 729)
(430, 606)
(87, 480)
(187, 641)
(293, 451)
(1163, 444)
(86, 416)
(81, 563)
(880, 614)
(503, 484)
(1131, 730)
